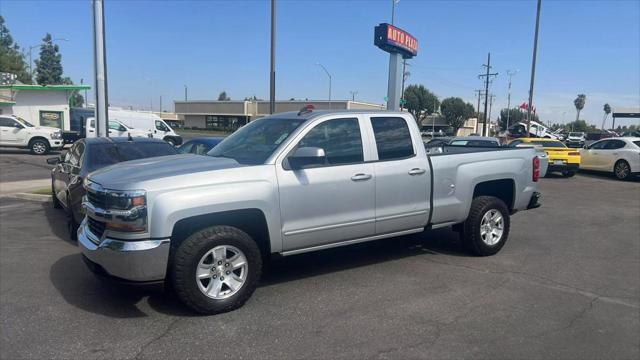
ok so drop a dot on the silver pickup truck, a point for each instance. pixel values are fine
(288, 184)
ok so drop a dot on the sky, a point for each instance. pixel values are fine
(154, 48)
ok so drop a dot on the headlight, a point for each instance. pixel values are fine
(56, 135)
(120, 210)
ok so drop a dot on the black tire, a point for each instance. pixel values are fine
(472, 226)
(568, 173)
(621, 170)
(72, 225)
(39, 147)
(54, 199)
(186, 258)
(170, 141)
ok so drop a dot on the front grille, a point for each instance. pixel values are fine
(97, 199)
(97, 227)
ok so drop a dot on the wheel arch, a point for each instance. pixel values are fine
(38, 137)
(252, 221)
(503, 189)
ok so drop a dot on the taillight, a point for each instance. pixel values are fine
(536, 169)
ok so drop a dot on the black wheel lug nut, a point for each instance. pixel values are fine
(221, 277)
(227, 272)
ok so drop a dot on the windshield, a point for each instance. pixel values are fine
(108, 154)
(254, 143)
(575, 134)
(549, 144)
(23, 121)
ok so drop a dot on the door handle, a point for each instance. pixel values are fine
(417, 171)
(361, 177)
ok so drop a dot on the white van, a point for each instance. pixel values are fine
(116, 129)
(146, 121)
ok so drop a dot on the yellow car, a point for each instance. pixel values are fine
(561, 158)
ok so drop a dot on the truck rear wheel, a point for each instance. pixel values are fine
(487, 228)
(216, 269)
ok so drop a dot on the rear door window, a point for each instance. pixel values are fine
(614, 144)
(599, 145)
(393, 139)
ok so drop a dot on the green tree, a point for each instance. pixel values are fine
(514, 116)
(456, 112)
(607, 111)
(75, 99)
(420, 102)
(578, 125)
(579, 104)
(11, 59)
(49, 65)
(223, 96)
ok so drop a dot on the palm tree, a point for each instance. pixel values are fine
(607, 111)
(579, 103)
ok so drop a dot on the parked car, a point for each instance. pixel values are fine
(18, 133)
(87, 155)
(200, 146)
(561, 158)
(575, 139)
(292, 183)
(620, 156)
(536, 129)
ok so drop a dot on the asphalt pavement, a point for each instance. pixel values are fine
(566, 285)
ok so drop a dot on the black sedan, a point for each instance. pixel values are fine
(87, 155)
(199, 146)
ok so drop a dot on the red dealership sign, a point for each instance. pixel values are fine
(392, 39)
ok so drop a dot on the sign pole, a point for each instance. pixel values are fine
(100, 70)
(395, 81)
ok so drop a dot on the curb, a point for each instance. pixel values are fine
(28, 196)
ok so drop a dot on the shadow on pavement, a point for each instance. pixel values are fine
(57, 219)
(606, 175)
(80, 288)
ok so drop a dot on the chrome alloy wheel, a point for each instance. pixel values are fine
(221, 272)
(492, 227)
(622, 170)
(39, 148)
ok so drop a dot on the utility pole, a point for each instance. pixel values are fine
(510, 73)
(272, 75)
(185, 93)
(491, 97)
(161, 104)
(353, 95)
(405, 76)
(479, 94)
(393, 10)
(533, 66)
(100, 70)
(486, 90)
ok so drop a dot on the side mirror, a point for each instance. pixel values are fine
(307, 156)
(54, 160)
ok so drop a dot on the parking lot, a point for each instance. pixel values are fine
(566, 285)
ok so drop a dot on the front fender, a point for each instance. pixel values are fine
(172, 206)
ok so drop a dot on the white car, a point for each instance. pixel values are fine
(19, 133)
(618, 155)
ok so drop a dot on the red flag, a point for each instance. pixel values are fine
(524, 106)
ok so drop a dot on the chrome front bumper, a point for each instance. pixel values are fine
(139, 261)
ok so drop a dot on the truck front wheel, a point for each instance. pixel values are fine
(487, 228)
(216, 269)
(39, 147)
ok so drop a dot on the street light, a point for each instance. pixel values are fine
(39, 45)
(510, 73)
(329, 75)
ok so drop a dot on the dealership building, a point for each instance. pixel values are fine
(39, 104)
(229, 115)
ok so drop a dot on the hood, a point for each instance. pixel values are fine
(127, 175)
